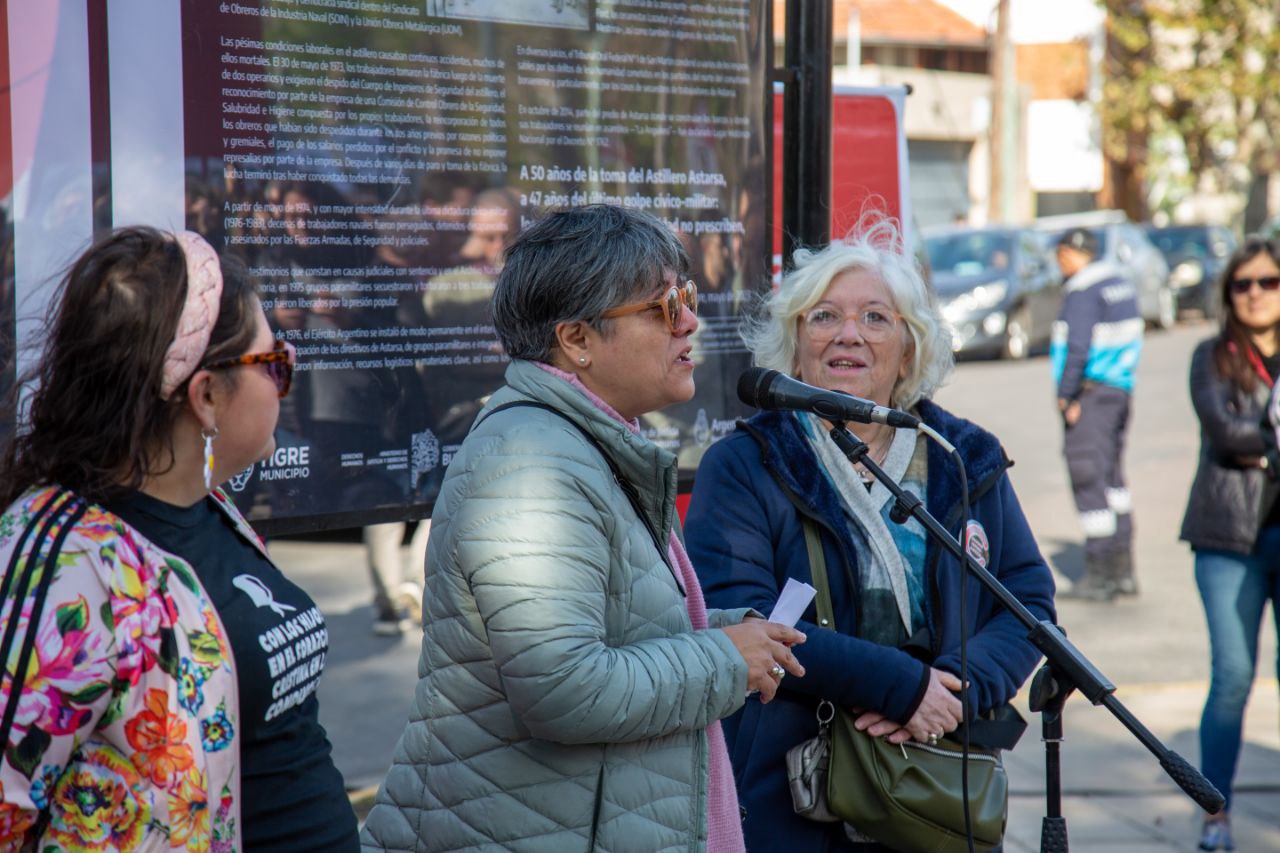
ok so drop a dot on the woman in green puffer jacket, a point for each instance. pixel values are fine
(572, 680)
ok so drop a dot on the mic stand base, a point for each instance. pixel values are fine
(1048, 698)
(1053, 834)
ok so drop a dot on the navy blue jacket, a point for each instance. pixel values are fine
(1098, 334)
(745, 538)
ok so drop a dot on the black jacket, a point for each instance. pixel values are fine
(1228, 500)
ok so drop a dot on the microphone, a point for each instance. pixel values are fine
(769, 389)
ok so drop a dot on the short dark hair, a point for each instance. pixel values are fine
(1080, 239)
(95, 422)
(574, 265)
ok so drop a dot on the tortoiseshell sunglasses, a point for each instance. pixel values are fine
(677, 295)
(279, 363)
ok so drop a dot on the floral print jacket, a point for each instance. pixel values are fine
(122, 735)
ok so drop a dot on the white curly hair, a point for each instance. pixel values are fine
(875, 245)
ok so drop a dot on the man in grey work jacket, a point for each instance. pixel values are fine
(1096, 343)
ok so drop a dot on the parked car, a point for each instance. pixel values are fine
(1125, 244)
(1000, 289)
(1196, 255)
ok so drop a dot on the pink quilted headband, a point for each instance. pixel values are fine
(199, 313)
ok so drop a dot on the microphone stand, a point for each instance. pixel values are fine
(1066, 668)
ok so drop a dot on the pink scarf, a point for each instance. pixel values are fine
(724, 820)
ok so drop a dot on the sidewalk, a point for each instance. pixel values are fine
(1116, 796)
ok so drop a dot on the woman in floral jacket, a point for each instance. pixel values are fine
(157, 672)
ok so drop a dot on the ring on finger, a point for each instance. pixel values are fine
(777, 671)
(934, 738)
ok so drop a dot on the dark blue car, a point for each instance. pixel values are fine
(999, 289)
(1196, 256)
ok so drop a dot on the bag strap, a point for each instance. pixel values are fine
(818, 571)
(68, 511)
(7, 582)
(822, 601)
(1003, 733)
(628, 488)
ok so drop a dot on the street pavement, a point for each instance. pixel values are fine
(1153, 647)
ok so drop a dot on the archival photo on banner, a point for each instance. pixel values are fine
(369, 162)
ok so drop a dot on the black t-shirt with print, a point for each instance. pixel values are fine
(292, 796)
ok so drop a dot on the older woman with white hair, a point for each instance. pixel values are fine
(857, 317)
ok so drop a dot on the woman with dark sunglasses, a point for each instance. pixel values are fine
(1233, 518)
(572, 677)
(157, 671)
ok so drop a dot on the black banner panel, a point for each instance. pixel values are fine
(369, 161)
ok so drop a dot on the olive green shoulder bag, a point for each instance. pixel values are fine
(907, 797)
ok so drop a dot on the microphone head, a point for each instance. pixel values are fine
(754, 384)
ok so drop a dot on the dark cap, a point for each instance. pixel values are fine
(1080, 239)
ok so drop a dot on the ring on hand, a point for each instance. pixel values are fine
(933, 738)
(777, 672)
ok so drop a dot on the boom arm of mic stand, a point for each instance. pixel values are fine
(1070, 665)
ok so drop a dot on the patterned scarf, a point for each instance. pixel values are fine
(890, 555)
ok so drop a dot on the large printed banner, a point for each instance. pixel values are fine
(370, 160)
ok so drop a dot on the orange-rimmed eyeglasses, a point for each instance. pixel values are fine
(279, 363)
(679, 295)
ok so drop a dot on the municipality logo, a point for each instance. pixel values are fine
(424, 452)
(239, 481)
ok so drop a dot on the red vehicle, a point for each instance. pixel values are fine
(868, 161)
(868, 166)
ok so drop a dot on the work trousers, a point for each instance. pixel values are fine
(1094, 449)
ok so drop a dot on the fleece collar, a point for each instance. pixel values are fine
(790, 460)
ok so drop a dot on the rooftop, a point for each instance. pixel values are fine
(902, 21)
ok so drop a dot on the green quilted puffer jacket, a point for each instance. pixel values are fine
(563, 693)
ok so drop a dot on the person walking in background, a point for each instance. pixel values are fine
(572, 677)
(1095, 347)
(397, 587)
(157, 672)
(1233, 518)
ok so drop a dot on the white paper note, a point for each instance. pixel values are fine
(795, 597)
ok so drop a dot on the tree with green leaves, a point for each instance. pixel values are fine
(1192, 82)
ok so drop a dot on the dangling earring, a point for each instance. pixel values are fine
(209, 435)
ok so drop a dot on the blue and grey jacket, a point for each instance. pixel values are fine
(1098, 334)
